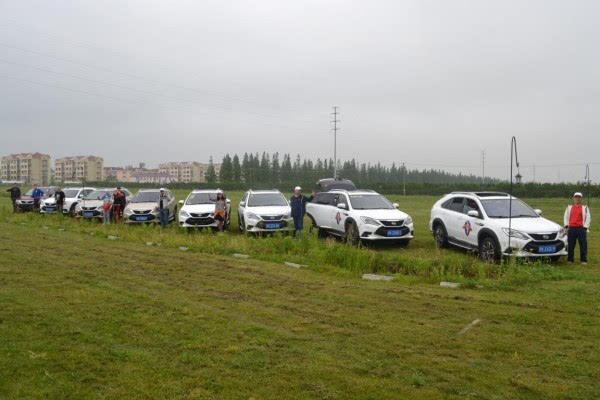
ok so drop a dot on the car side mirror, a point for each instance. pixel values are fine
(181, 202)
(538, 211)
(341, 206)
(242, 203)
(396, 205)
(80, 196)
(473, 213)
(228, 201)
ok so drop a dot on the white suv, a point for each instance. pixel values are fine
(359, 215)
(73, 196)
(197, 211)
(479, 221)
(264, 211)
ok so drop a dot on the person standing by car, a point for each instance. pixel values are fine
(577, 223)
(106, 206)
(59, 198)
(123, 201)
(37, 195)
(117, 201)
(15, 194)
(163, 208)
(220, 210)
(298, 206)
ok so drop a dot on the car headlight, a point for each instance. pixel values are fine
(515, 234)
(252, 216)
(128, 211)
(562, 232)
(183, 214)
(408, 220)
(287, 216)
(369, 220)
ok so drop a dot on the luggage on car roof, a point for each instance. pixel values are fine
(325, 185)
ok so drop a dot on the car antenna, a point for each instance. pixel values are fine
(513, 146)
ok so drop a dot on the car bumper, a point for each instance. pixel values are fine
(141, 218)
(262, 226)
(49, 209)
(84, 215)
(371, 232)
(197, 222)
(531, 248)
(25, 206)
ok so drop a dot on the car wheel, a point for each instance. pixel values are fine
(240, 223)
(72, 210)
(352, 237)
(488, 250)
(440, 235)
(322, 233)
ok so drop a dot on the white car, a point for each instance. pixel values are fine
(198, 209)
(359, 215)
(264, 211)
(479, 221)
(90, 206)
(144, 207)
(73, 196)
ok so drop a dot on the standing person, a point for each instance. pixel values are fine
(163, 208)
(577, 223)
(116, 208)
(123, 201)
(298, 205)
(220, 210)
(37, 195)
(15, 194)
(59, 197)
(106, 206)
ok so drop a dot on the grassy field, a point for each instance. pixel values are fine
(82, 316)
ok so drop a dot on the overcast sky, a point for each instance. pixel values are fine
(429, 83)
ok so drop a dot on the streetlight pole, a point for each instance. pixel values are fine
(513, 148)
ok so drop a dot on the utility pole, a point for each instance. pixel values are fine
(403, 180)
(335, 129)
(482, 167)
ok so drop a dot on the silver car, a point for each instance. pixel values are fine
(91, 205)
(144, 207)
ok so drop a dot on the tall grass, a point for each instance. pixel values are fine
(430, 266)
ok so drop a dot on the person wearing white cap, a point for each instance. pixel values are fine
(163, 207)
(298, 206)
(577, 223)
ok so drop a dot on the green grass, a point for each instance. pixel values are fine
(85, 317)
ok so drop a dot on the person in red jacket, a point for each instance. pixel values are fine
(577, 223)
(118, 200)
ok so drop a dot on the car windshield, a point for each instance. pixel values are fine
(499, 208)
(145, 197)
(370, 202)
(267, 199)
(30, 191)
(97, 194)
(201, 198)
(71, 192)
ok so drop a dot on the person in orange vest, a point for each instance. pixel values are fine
(577, 223)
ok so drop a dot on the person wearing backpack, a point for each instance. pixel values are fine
(577, 224)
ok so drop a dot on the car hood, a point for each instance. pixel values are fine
(528, 225)
(198, 208)
(382, 214)
(269, 210)
(142, 206)
(90, 203)
(26, 198)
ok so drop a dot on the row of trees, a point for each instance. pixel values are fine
(267, 169)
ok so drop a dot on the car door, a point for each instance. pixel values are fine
(453, 217)
(242, 207)
(471, 225)
(337, 216)
(321, 209)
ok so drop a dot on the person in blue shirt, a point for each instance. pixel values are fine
(37, 195)
(298, 206)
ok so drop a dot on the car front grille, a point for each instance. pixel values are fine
(533, 247)
(197, 215)
(383, 231)
(273, 218)
(88, 208)
(149, 217)
(200, 221)
(393, 223)
(141, 212)
(263, 224)
(543, 236)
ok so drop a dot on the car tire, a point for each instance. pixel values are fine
(489, 251)
(440, 235)
(554, 259)
(403, 242)
(240, 224)
(322, 233)
(72, 210)
(352, 236)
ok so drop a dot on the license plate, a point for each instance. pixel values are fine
(88, 214)
(547, 249)
(49, 209)
(394, 232)
(144, 218)
(272, 226)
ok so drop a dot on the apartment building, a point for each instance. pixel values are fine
(27, 168)
(139, 174)
(187, 171)
(79, 168)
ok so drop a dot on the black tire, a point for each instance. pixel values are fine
(352, 237)
(240, 223)
(554, 259)
(322, 233)
(440, 235)
(489, 251)
(72, 210)
(403, 242)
